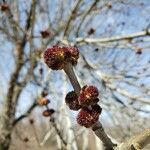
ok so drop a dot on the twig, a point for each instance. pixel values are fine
(85, 15)
(58, 132)
(113, 39)
(24, 115)
(97, 127)
(99, 131)
(82, 40)
(72, 77)
(71, 17)
(137, 142)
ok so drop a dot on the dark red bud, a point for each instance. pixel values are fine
(48, 113)
(45, 34)
(31, 121)
(56, 57)
(139, 51)
(44, 93)
(72, 101)
(91, 31)
(26, 139)
(72, 54)
(88, 96)
(109, 5)
(87, 117)
(41, 71)
(4, 7)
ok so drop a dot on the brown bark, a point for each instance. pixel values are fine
(13, 94)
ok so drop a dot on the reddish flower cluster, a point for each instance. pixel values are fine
(56, 57)
(87, 102)
(88, 116)
(88, 96)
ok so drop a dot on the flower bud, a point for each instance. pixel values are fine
(56, 57)
(45, 33)
(4, 7)
(26, 139)
(31, 121)
(87, 117)
(72, 54)
(72, 101)
(43, 101)
(44, 93)
(88, 96)
(48, 112)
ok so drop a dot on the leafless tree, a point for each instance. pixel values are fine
(114, 44)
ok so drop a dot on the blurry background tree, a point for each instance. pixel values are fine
(114, 43)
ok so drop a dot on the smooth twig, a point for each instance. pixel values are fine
(97, 127)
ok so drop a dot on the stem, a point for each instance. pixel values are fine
(58, 133)
(72, 77)
(99, 131)
(97, 127)
(136, 142)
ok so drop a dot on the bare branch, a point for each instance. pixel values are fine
(71, 17)
(86, 14)
(113, 39)
(81, 40)
(137, 142)
(24, 115)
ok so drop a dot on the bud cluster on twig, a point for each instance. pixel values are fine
(85, 98)
(44, 102)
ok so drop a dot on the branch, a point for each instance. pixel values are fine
(71, 17)
(81, 40)
(137, 142)
(101, 134)
(11, 101)
(58, 132)
(86, 14)
(113, 39)
(97, 127)
(24, 115)
(72, 77)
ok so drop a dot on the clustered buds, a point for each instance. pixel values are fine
(56, 57)
(88, 116)
(88, 96)
(90, 111)
(72, 101)
(87, 102)
(44, 102)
